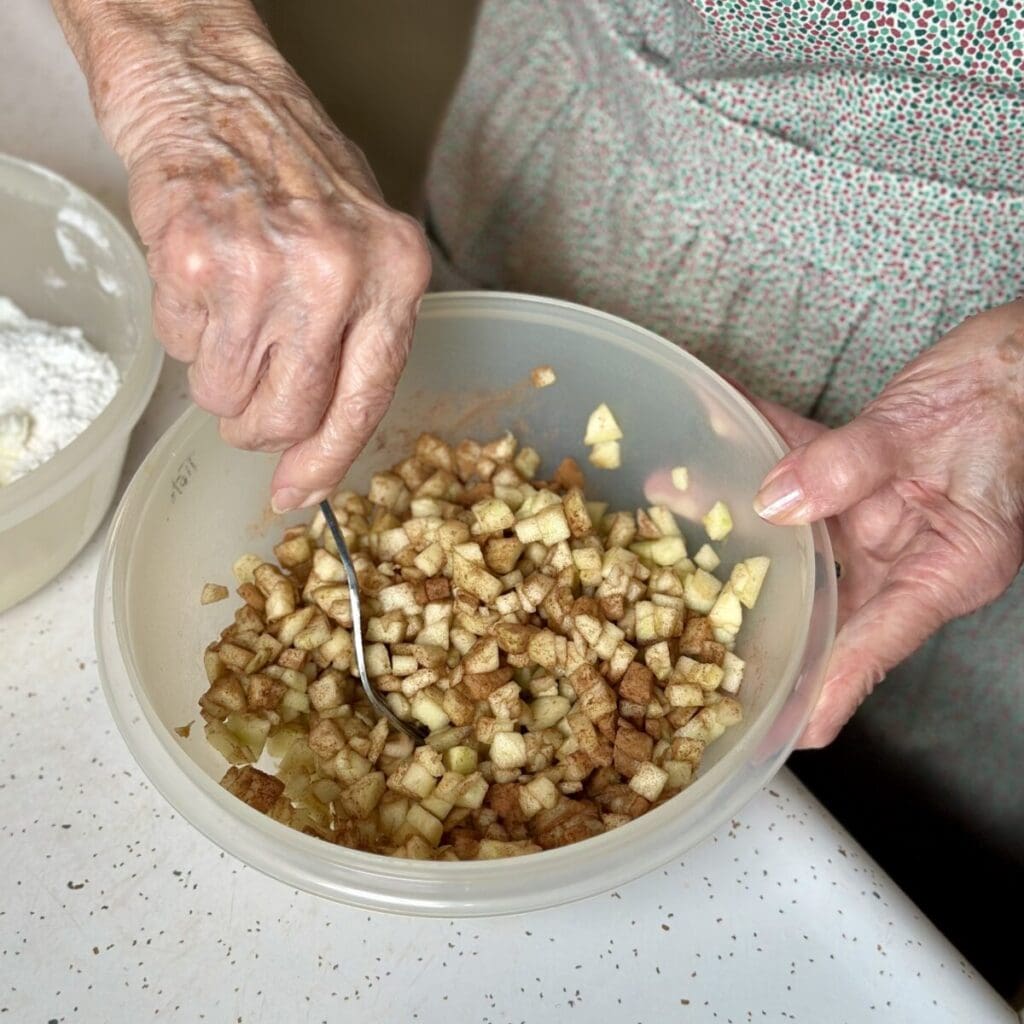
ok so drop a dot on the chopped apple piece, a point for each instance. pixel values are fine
(718, 521)
(648, 780)
(212, 593)
(748, 577)
(700, 591)
(707, 558)
(732, 672)
(726, 613)
(606, 455)
(602, 426)
(542, 376)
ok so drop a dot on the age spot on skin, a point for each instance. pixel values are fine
(1011, 349)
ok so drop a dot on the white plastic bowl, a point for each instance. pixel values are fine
(195, 505)
(66, 259)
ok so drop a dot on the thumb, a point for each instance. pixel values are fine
(830, 474)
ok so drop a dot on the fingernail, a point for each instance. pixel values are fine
(779, 497)
(315, 498)
(287, 498)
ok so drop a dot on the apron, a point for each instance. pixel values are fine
(804, 194)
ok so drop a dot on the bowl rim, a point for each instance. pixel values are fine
(75, 461)
(370, 880)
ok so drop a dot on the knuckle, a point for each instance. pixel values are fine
(242, 432)
(407, 253)
(362, 410)
(269, 425)
(234, 432)
(335, 263)
(215, 394)
(280, 429)
(185, 257)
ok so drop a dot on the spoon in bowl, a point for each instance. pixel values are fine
(417, 734)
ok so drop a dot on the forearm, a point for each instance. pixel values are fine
(142, 57)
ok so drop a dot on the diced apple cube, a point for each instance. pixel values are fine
(548, 711)
(387, 489)
(425, 823)
(659, 660)
(378, 660)
(707, 558)
(250, 730)
(212, 593)
(606, 455)
(706, 676)
(508, 750)
(391, 812)
(700, 590)
(542, 376)
(725, 637)
(412, 779)
(648, 780)
(728, 711)
(460, 759)
(588, 565)
(473, 792)
(718, 521)
(680, 774)
(664, 520)
(493, 515)
(576, 513)
(245, 567)
(439, 808)
(602, 426)
(748, 577)
(424, 708)
(553, 525)
(350, 766)
(667, 550)
(431, 560)
(482, 656)
(704, 726)
(726, 613)
(684, 695)
(475, 579)
(680, 478)
(359, 799)
(544, 791)
(732, 672)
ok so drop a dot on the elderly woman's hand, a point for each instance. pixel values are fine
(280, 274)
(924, 493)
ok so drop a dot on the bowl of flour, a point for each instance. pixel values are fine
(78, 364)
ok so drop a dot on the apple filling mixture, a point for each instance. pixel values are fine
(570, 663)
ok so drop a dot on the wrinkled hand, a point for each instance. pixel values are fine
(280, 274)
(924, 495)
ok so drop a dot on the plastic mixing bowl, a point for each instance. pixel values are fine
(195, 505)
(66, 259)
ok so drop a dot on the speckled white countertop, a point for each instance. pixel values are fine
(114, 909)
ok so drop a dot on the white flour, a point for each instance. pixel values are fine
(53, 384)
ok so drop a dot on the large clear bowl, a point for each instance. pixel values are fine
(196, 504)
(66, 259)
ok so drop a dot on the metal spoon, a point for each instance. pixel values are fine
(379, 704)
